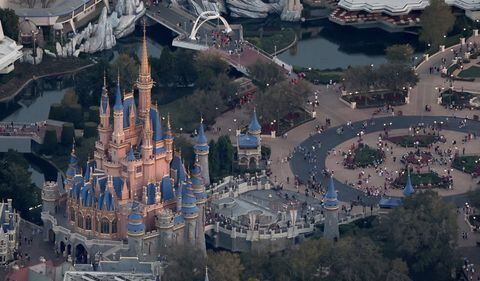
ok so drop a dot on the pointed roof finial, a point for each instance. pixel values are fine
(118, 77)
(144, 66)
(169, 125)
(104, 79)
(206, 273)
(73, 146)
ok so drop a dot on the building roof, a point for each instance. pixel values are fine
(128, 106)
(61, 7)
(157, 125)
(398, 7)
(118, 99)
(331, 195)
(166, 189)
(390, 202)
(248, 141)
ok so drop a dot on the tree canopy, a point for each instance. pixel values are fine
(9, 23)
(266, 74)
(437, 20)
(399, 53)
(127, 67)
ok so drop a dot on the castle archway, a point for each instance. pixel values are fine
(51, 236)
(252, 164)
(62, 247)
(203, 18)
(81, 254)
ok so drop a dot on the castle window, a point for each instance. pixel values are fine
(114, 226)
(139, 169)
(105, 226)
(80, 221)
(97, 225)
(88, 223)
(72, 214)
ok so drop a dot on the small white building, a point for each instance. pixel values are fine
(9, 221)
(10, 52)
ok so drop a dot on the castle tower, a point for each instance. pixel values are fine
(118, 136)
(408, 190)
(201, 149)
(168, 137)
(190, 213)
(147, 151)
(164, 224)
(104, 130)
(50, 196)
(135, 230)
(254, 127)
(330, 205)
(199, 191)
(144, 81)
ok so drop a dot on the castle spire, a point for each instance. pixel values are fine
(408, 190)
(144, 67)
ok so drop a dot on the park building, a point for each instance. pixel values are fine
(10, 52)
(9, 222)
(249, 145)
(135, 196)
(393, 15)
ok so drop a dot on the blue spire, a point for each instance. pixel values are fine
(331, 200)
(202, 142)
(118, 99)
(157, 127)
(408, 190)
(130, 156)
(254, 127)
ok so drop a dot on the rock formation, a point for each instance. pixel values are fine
(102, 35)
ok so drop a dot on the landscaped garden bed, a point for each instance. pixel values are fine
(417, 158)
(471, 72)
(364, 156)
(317, 76)
(417, 140)
(423, 180)
(468, 164)
(376, 98)
(455, 98)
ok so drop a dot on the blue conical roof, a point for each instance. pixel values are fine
(118, 99)
(254, 126)
(408, 190)
(331, 195)
(201, 138)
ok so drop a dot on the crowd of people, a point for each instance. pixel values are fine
(13, 129)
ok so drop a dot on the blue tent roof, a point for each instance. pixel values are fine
(128, 102)
(151, 190)
(390, 202)
(130, 155)
(331, 195)
(117, 185)
(166, 189)
(248, 141)
(408, 190)
(157, 125)
(118, 99)
(254, 126)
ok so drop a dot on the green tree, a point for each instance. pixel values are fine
(89, 83)
(9, 23)
(312, 259)
(75, 115)
(358, 259)
(206, 104)
(184, 263)
(56, 112)
(70, 98)
(49, 141)
(359, 78)
(214, 161)
(225, 152)
(128, 69)
(423, 232)
(90, 130)
(68, 133)
(395, 77)
(266, 74)
(186, 148)
(398, 271)
(281, 99)
(185, 70)
(399, 53)
(94, 114)
(84, 149)
(16, 184)
(165, 67)
(224, 266)
(437, 20)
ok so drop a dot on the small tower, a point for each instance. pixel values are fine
(147, 151)
(118, 133)
(104, 130)
(249, 145)
(164, 224)
(168, 137)
(330, 204)
(190, 213)
(135, 230)
(254, 127)
(50, 196)
(408, 190)
(201, 151)
(72, 168)
(201, 196)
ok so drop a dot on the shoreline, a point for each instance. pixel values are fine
(6, 96)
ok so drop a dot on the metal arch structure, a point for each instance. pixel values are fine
(203, 18)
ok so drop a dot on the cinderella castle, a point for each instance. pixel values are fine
(135, 197)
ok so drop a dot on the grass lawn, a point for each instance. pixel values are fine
(366, 156)
(470, 163)
(409, 141)
(281, 39)
(472, 71)
(421, 180)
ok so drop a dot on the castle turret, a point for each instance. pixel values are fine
(168, 137)
(201, 197)
(144, 81)
(50, 196)
(104, 130)
(190, 213)
(201, 151)
(118, 136)
(72, 167)
(408, 190)
(164, 224)
(254, 127)
(330, 204)
(135, 230)
(147, 151)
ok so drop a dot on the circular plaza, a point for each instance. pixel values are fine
(369, 159)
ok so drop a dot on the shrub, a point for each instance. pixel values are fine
(56, 112)
(49, 141)
(68, 133)
(94, 114)
(90, 130)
